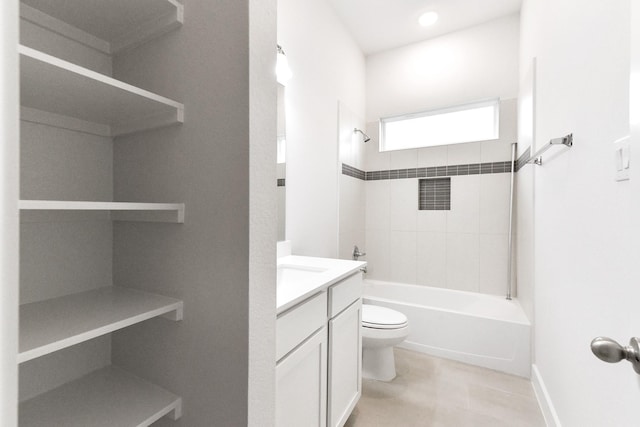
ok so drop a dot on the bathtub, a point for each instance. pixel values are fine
(478, 329)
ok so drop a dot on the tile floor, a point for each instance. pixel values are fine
(429, 391)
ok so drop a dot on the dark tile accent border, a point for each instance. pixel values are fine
(435, 171)
(434, 194)
(281, 182)
(523, 159)
(353, 172)
(439, 171)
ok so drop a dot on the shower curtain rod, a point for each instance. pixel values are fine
(567, 141)
(512, 189)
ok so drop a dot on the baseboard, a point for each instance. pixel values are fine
(544, 400)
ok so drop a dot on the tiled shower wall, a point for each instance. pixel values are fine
(464, 248)
(352, 191)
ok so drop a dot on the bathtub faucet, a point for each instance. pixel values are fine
(357, 253)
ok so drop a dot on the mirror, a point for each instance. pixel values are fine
(281, 170)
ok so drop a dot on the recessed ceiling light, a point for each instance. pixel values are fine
(428, 18)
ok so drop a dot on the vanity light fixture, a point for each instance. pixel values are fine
(427, 19)
(283, 72)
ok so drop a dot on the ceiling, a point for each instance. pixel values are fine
(378, 25)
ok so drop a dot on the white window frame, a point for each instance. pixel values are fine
(495, 102)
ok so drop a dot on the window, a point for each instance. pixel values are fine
(478, 121)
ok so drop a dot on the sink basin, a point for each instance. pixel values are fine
(293, 273)
(300, 277)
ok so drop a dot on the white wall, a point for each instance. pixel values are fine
(9, 157)
(586, 224)
(262, 214)
(480, 62)
(524, 203)
(327, 67)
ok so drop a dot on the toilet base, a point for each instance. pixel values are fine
(378, 363)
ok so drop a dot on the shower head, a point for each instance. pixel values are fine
(365, 136)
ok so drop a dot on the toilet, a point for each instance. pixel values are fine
(382, 328)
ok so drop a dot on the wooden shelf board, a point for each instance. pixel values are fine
(58, 323)
(56, 86)
(108, 26)
(105, 398)
(126, 211)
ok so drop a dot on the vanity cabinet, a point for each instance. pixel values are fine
(345, 364)
(319, 357)
(345, 349)
(301, 384)
(301, 371)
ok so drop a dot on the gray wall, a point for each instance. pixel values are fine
(205, 261)
(64, 252)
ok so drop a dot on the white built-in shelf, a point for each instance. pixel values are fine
(51, 325)
(59, 93)
(121, 211)
(107, 26)
(105, 398)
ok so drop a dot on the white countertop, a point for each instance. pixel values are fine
(300, 277)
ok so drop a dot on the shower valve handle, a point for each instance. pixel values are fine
(610, 351)
(357, 253)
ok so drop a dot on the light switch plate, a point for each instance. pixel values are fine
(622, 158)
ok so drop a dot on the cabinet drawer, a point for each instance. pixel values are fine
(344, 293)
(295, 325)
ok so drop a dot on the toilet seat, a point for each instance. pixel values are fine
(377, 317)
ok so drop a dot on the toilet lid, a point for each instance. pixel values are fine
(374, 316)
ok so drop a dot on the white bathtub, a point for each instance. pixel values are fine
(478, 329)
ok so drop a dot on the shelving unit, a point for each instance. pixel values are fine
(105, 398)
(122, 211)
(107, 26)
(57, 92)
(67, 95)
(58, 323)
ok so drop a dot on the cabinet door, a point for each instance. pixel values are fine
(301, 384)
(345, 363)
